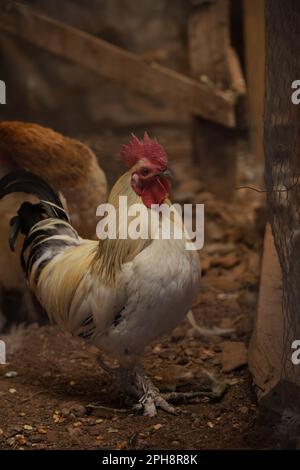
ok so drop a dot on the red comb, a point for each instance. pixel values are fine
(147, 148)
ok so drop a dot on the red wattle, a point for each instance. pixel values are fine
(157, 192)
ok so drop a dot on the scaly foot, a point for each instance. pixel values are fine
(135, 383)
(151, 398)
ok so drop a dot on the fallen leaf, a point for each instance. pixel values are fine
(20, 439)
(42, 430)
(11, 374)
(157, 426)
(112, 430)
(28, 427)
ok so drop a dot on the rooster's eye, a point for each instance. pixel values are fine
(145, 171)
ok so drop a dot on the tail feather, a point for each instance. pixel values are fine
(26, 182)
(50, 203)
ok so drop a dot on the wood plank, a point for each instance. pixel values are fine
(214, 146)
(254, 32)
(125, 68)
(269, 356)
(209, 39)
(267, 341)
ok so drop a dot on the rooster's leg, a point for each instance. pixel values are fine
(136, 383)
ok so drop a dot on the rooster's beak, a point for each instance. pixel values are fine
(166, 174)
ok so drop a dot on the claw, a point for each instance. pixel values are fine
(149, 403)
(151, 398)
(136, 383)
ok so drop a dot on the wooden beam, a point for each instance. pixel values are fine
(125, 68)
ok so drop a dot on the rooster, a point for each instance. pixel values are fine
(68, 165)
(117, 294)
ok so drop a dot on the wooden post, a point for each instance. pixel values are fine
(209, 43)
(272, 357)
(254, 32)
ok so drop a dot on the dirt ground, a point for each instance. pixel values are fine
(45, 406)
(55, 396)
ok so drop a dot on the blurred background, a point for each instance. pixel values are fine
(218, 43)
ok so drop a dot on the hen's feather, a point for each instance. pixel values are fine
(67, 164)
